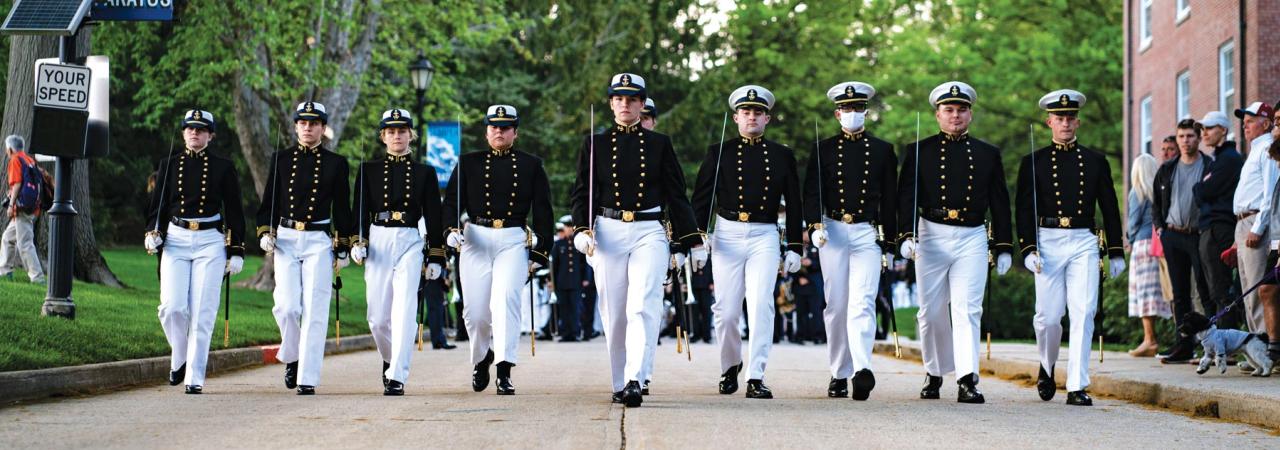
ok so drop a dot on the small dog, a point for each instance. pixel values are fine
(1220, 344)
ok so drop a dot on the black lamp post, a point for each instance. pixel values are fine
(421, 72)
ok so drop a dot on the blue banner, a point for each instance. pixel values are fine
(444, 141)
(132, 10)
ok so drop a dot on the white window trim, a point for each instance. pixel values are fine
(1144, 125)
(1183, 13)
(1222, 94)
(1177, 88)
(1144, 31)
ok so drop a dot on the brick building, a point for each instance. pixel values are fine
(1184, 58)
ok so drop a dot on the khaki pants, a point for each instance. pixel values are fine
(19, 242)
(1252, 265)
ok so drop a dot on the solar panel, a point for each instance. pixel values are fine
(56, 17)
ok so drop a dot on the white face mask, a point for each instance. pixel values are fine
(853, 120)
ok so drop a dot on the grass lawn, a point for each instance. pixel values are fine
(118, 324)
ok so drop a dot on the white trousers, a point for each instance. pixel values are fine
(630, 265)
(19, 243)
(391, 274)
(1067, 283)
(304, 287)
(744, 264)
(191, 269)
(951, 270)
(851, 280)
(495, 269)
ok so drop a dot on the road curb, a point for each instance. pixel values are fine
(1212, 403)
(24, 385)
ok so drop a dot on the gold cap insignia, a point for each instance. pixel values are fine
(1064, 99)
(626, 80)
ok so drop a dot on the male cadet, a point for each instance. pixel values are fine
(306, 198)
(649, 121)
(506, 194)
(200, 193)
(1055, 231)
(850, 202)
(961, 179)
(618, 203)
(569, 277)
(746, 178)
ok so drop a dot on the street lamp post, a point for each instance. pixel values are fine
(421, 72)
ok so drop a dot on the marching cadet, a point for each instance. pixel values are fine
(569, 278)
(962, 179)
(649, 121)
(628, 178)
(392, 195)
(503, 190)
(199, 197)
(306, 198)
(850, 202)
(1056, 203)
(747, 178)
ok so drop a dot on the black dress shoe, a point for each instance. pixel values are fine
(195, 389)
(480, 374)
(176, 376)
(504, 379)
(569, 339)
(644, 390)
(931, 386)
(385, 366)
(544, 337)
(1045, 385)
(757, 389)
(393, 388)
(969, 390)
(617, 397)
(291, 375)
(863, 383)
(631, 395)
(306, 390)
(1079, 398)
(838, 388)
(445, 346)
(729, 380)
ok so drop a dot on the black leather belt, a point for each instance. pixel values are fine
(946, 215)
(1066, 222)
(743, 216)
(1189, 230)
(393, 219)
(497, 223)
(196, 226)
(848, 218)
(303, 226)
(630, 216)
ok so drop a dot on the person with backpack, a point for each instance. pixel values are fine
(23, 204)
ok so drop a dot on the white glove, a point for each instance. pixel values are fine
(455, 239)
(699, 256)
(268, 243)
(1032, 262)
(433, 271)
(535, 240)
(908, 249)
(359, 253)
(818, 237)
(235, 265)
(1117, 266)
(792, 262)
(680, 258)
(153, 242)
(1003, 262)
(534, 265)
(584, 243)
(341, 263)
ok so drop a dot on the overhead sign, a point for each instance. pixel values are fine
(132, 10)
(444, 141)
(63, 86)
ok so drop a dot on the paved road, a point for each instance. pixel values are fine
(563, 402)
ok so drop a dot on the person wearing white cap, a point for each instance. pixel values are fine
(196, 216)
(506, 193)
(628, 180)
(393, 193)
(1214, 196)
(1252, 206)
(957, 180)
(305, 219)
(649, 121)
(851, 205)
(1059, 187)
(569, 278)
(746, 179)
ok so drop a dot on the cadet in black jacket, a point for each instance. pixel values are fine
(501, 189)
(307, 197)
(393, 193)
(197, 202)
(1056, 233)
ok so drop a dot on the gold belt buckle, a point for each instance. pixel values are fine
(628, 216)
(193, 226)
(847, 218)
(953, 214)
(397, 216)
(300, 226)
(1064, 222)
(497, 223)
(743, 217)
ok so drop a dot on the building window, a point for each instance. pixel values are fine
(1145, 123)
(1144, 23)
(1184, 95)
(1226, 76)
(1184, 10)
